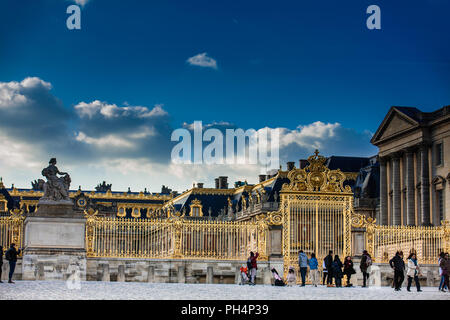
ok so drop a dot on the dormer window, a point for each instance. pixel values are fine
(196, 208)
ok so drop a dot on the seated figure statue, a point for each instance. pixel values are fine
(56, 188)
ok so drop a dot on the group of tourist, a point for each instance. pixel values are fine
(10, 255)
(334, 268)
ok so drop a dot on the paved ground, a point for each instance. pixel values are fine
(49, 290)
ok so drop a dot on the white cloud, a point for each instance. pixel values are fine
(12, 93)
(129, 145)
(81, 2)
(105, 141)
(106, 110)
(202, 60)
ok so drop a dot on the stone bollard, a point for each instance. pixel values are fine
(105, 273)
(209, 275)
(40, 271)
(181, 276)
(267, 276)
(430, 278)
(121, 273)
(237, 276)
(5, 271)
(151, 274)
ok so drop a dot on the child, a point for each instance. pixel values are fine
(244, 276)
(278, 280)
(291, 281)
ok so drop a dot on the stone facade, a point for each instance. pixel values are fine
(414, 156)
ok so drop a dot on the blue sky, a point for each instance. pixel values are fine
(286, 64)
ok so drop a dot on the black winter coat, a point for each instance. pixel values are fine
(1, 255)
(363, 264)
(337, 269)
(12, 252)
(397, 263)
(348, 268)
(328, 261)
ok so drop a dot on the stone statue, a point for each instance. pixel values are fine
(56, 189)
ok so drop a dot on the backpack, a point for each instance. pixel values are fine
(8, 255)
(249, 264)
(368, 261)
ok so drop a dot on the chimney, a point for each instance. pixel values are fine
(223, 183)
(200, 185)
(217, 183)
(303, 163)
(262, 178)
(290, 165)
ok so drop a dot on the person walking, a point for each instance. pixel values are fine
(337, 271)
(348, 269)
(313, 270)
(442, 286)
(364, 265)
(11, 255)
(398, 265)
(303, 264)
(445, 265)
(254, 267)
(324, 271)
(328, 261)
(1, 263)
(413, 272)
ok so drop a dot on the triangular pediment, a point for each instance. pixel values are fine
(395, 123)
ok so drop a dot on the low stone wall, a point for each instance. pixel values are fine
(53, 264)
(59, 267)
(174, 271)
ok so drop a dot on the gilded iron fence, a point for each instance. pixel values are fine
(426, 242)
(316, 223)
(174, 238)
(11, 229)
(382, 242)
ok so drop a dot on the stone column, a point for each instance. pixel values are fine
(424, 186)
(209, 275)
(237, 276)
(151, 274)
(396, 192)
(383, 218)
(121, 273)
(105, 272)
(410, 189)
(181, 277)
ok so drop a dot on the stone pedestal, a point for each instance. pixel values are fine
(54, 244)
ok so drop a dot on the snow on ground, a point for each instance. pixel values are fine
(49, 290)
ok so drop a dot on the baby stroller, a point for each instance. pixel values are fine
(278, 281)
(244, 276)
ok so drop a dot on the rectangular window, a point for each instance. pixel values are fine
(440, 204)
(439, 154)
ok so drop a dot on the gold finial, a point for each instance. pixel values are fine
(316, 152)
(1, 183)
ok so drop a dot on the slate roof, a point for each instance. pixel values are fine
(347, 164)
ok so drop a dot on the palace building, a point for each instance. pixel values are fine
(414, 159)
(240, 202)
